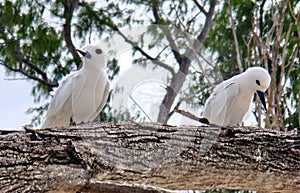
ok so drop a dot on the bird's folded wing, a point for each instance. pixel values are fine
(60, 97)
(224, 101)
(78, 85)
(73, 84)
(101, 93)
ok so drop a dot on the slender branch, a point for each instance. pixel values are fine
(139, 106)
(21, 59)
(247, 44)
(281, 77)
(279, 29)
(261, 9)
(145, 54)
(293, 61)
(204, 32)
(169, 37)
(69, 7)
(191, 116)
(236, 44)
(200, 7)
(47, 83)
(295, 19)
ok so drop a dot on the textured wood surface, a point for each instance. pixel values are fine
(135, 157)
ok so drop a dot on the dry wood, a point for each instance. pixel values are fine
(132, 157)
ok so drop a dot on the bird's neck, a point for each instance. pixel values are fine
(245, 85)
(92, 67)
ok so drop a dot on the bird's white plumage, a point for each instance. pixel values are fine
(82, 94)
(230, 101)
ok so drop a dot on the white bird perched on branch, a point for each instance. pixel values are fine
(81, 96)
(230, 102)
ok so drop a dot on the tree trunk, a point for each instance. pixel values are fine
(134, 157)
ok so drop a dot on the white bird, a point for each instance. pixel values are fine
(230, 102)
(81, 96)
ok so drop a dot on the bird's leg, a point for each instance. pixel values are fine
(72, 122)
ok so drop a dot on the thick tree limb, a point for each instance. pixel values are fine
(178, 79)
(133, 157)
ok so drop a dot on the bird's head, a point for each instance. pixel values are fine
(93, 55)
(259, 80)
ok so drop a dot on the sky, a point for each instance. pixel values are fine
(14, 101)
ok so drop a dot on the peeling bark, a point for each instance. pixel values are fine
(133, 157)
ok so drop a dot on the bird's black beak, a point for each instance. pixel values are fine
(262, 98)
(82, 52)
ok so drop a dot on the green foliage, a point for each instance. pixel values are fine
(259, 16)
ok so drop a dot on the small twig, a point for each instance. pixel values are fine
(13, 79)
(191, 116)
(140, 108)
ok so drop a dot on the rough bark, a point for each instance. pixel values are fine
(132, 157)
(184, 62)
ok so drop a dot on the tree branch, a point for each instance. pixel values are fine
(275, 55)
(236, 44)
(204, 32)
(169, 37)
(200, 7)
(69, 7)
(25, 73)
(145, 54)
(144, 157)
(179, 78)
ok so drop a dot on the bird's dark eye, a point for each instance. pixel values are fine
(257, 82)
(98, 51)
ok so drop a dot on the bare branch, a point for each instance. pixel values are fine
(169, 37)
(295, 19)
(191, 116)
(279, 29)
(47, 83)
(247, 44)
(200, 7)
(293, 61)
(69, 7)
(279, 115)
(145, 54)
(139, 106)
(204, 32)
(21, 59)
(236, 44)
(179, 78)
